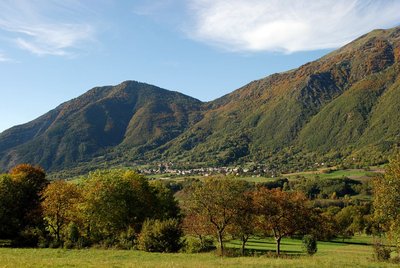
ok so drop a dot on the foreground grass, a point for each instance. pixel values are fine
(330, 254)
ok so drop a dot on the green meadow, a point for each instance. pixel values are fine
(355, 174)
(356, 252)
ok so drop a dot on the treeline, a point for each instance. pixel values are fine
(109, 209)
(122, 209)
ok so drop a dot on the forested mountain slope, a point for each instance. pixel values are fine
(340, 107)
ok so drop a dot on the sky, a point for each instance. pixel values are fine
(54, 50)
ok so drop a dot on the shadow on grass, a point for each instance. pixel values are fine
(349, 242)
(285, 254)
(260, 248)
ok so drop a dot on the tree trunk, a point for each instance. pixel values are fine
(244, 240)
(58, 235)
(278, 245)
(221, 242)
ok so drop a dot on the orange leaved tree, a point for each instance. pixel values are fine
(281, 213)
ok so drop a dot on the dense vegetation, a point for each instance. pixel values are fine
(108, 209)
(122, 209)
(339, 110)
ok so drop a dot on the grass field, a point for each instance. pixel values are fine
(356, 174)
(352, 253)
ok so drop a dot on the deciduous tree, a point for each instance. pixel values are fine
(60, 205)
(217, 200)
(20, 197)
(281, 213)
(387, 198)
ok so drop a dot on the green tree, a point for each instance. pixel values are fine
(310, 244)
(166, 206)
(161, 236)
(10, 223)
(114, 201)
(20, 197)
(386, 202)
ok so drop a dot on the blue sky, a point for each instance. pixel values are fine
(54, 50)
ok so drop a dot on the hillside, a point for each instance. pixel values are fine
(131, 115)
(342, 105)
(340, 108)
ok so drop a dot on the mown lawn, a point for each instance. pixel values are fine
(330, 254)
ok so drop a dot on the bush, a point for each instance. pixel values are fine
(73, 233)
(381, 252)
(127, 239)
(161, 236)
(195, 245)
(310, 244)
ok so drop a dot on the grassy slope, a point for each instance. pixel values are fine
(329, 255)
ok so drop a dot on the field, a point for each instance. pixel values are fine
(350, 253)
(355, 174)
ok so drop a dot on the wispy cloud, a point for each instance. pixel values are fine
(3, 58)
(46, 27)
(287, 25)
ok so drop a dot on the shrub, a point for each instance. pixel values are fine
(195, 245)
(381, 252)
(161, 236)
(127, 239)
(73, 233)
(310, 244)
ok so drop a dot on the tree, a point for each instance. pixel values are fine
(10, 223)
(166, 206)
(60, 205)
(115, 201)
(386, 202)
(282, 213)
(243, 222)
(217, 200)
(31, 181)
(20, 197)
(196, 225)
(310, 244)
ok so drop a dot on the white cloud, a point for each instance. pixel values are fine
(287, 25)
(46, 27)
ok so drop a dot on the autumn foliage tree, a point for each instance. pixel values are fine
(243, 225)
(281, 213)
(60, 206)
(216, 200)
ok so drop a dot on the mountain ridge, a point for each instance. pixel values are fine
(335, 109)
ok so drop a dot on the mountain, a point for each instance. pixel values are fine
(131, 115)
(344, 105)
(342, 108)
